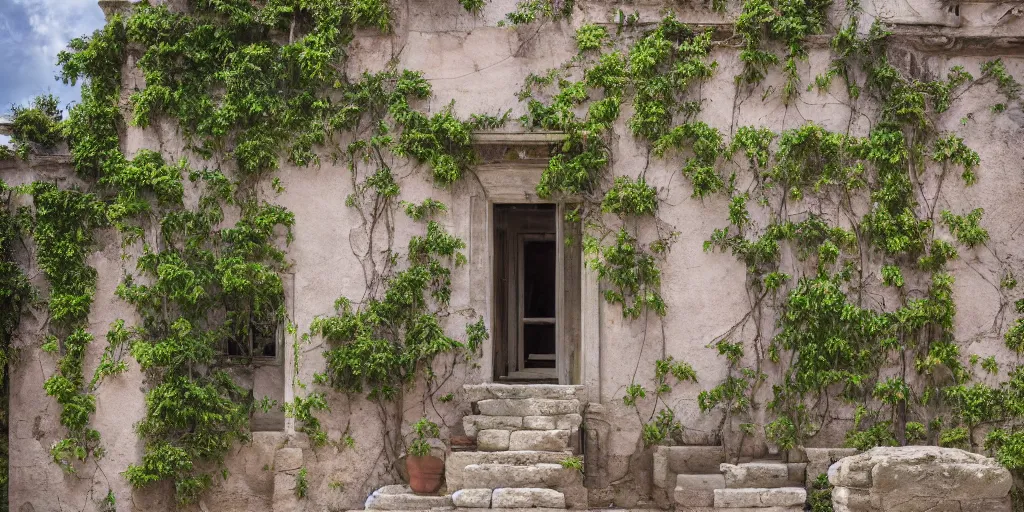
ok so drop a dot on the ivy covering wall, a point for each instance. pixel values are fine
(822, 221)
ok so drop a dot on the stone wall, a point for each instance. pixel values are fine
(479, 65)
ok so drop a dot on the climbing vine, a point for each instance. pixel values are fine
(821, 220)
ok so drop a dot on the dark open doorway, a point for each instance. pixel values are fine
(526, 292)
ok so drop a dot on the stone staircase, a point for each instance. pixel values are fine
(701, 481)
(523, 435)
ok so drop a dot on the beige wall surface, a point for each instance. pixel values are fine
(479, 65)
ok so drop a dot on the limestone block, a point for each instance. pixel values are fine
(504, 475)
(528, 407)
(473, 424)
(760, 498)
(564, 422)
(457, 462)
(755, 474)
(472, 498)
(492, 440)
(924, 471)
(527, 498)
(919, 478)
(540, 440)
(401, 497)
(690, 498)
(491, 391)
(701, 482)
(694, 459)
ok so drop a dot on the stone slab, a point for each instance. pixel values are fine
(493, 440)
(700, 482)
(505, 475)
(563, 422)
(755, 475)
(472, 498)
(454, 468)
(528, 407)
(473, 424)
(401, 497)
(540, 440)
(491, 391)
(527, 498)
(694, 497)
(760, 498)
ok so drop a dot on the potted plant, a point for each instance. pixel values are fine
(425, 470)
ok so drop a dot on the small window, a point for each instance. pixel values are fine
(259, 339)
(256, 332)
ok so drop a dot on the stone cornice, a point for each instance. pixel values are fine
(499, 148)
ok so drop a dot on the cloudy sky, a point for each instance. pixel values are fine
(32, 32)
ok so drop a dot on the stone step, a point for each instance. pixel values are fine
(523, 440)
(697, 490)
(523, 469)
(672, 460)
(760, 498)
(456, 463)
(401, 497)
(491, 391)
(506, 475)
(763, 475)
(528, 407)
(539, 509)
(474, 423)
(527, 498)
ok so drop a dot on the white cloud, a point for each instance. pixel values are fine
(32, 33)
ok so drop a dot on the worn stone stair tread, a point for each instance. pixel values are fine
(684, 508)
(516, 476)
(446, 509)
(763, 475)
(492, 391)
(760, 498)
(527, 497)
(401, 497)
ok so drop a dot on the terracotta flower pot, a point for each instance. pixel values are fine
(425, 473)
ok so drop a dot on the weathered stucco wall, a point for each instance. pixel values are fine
(480, 66)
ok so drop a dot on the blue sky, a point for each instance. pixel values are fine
(32, 32)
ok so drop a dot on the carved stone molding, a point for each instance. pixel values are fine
(502, 149)
(979, 41)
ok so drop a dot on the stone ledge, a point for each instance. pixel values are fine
(472, 498)
(528, 407)
(760, 498)
(490, 391)
(401, 497)
(527, 498)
